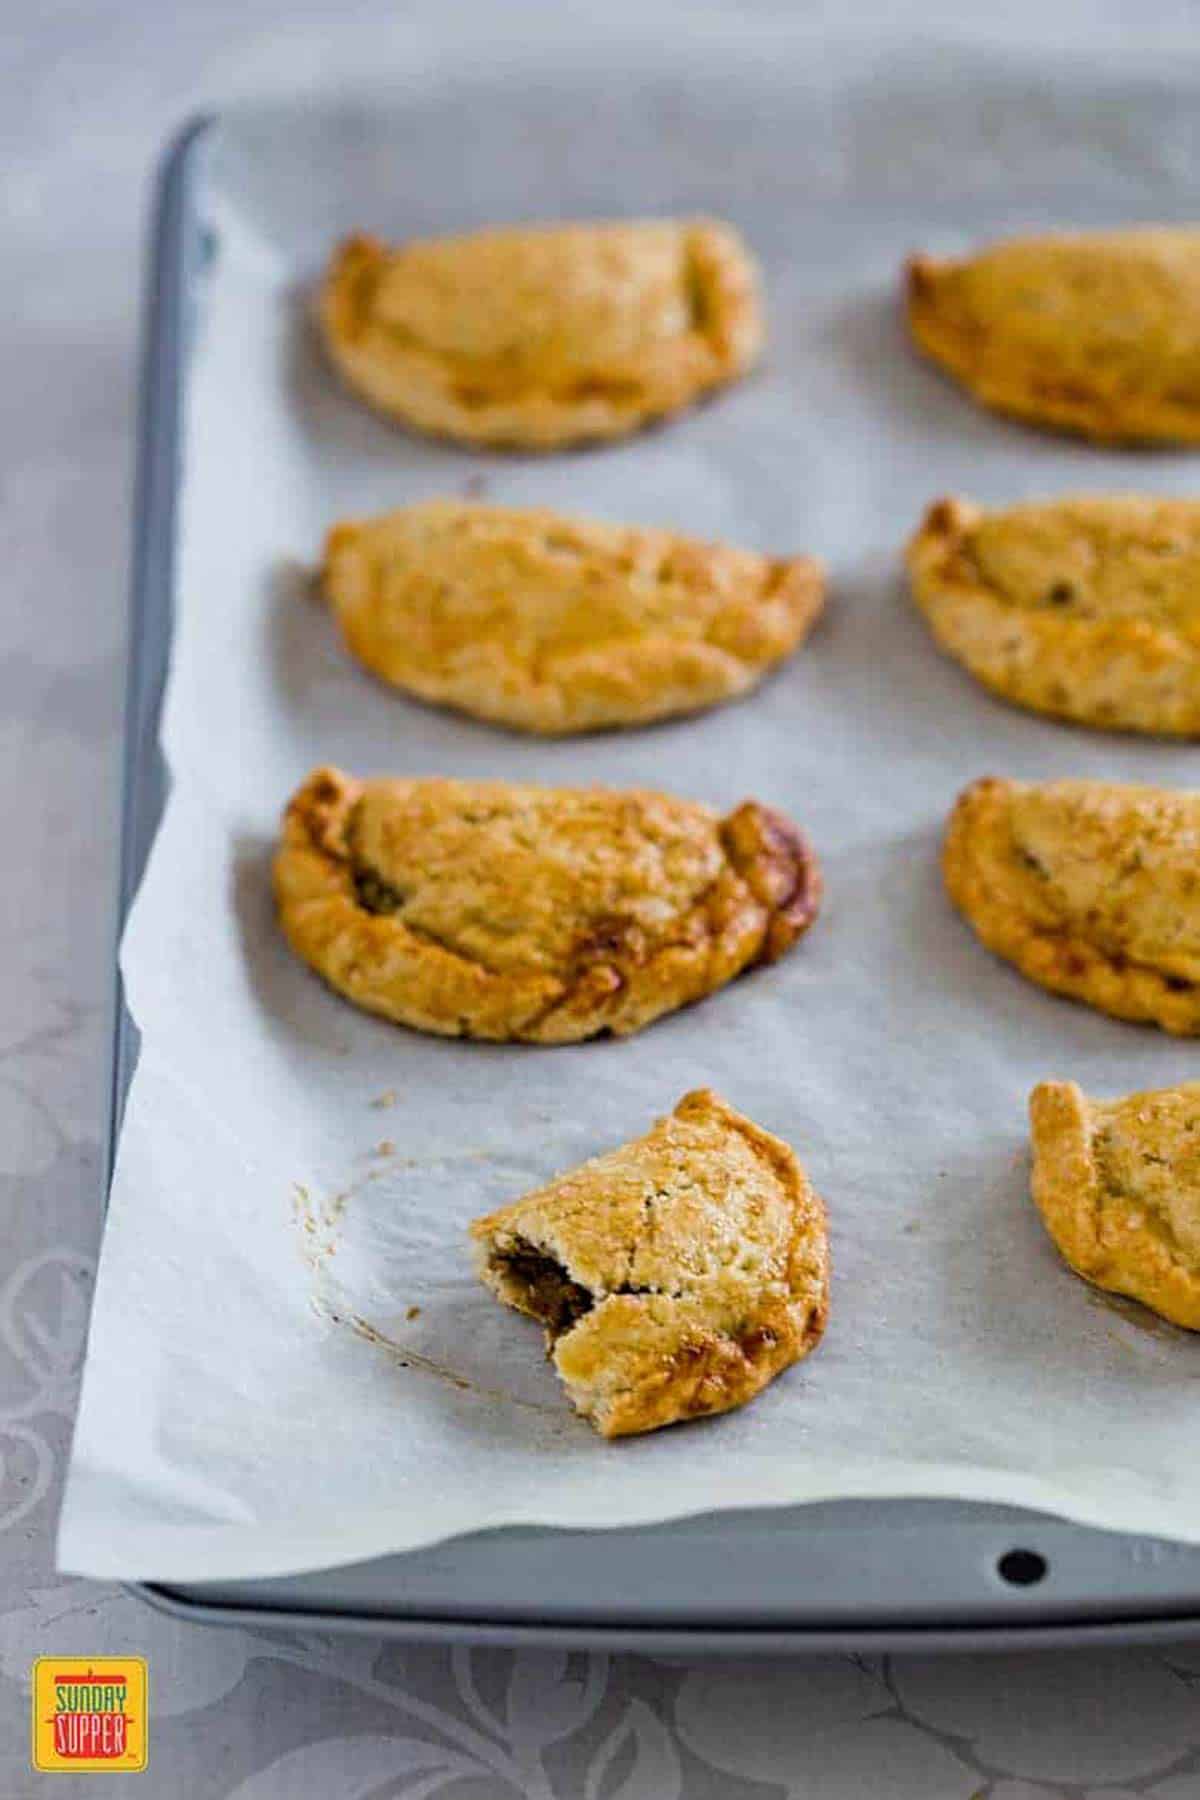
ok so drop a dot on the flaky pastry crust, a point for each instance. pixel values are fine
(551, 624)
(489, 909)
(1096, 333)
(1091, 888)
(1118, 1185)
(538, 336)
(674, 1277)
(1087, 609)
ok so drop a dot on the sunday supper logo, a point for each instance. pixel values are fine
(89, 1716)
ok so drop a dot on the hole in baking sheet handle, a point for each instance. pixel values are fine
(1022, 1568)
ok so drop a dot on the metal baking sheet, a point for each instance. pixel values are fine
(884, 1572)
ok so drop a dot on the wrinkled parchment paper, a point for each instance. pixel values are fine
(262, 1393)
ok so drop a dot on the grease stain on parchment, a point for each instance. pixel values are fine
(320, 1224)
(407, 1358)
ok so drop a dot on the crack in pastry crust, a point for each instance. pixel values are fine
(543, 335)
(1092, 333)
(1118, 1186)
(674, 1277)
(1091, 888)
(552, 624)
(543, 915)
(1086, 609)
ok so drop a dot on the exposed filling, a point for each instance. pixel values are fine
(542, 1286)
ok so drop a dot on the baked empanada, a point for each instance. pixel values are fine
(1089, 332)
(1118, 1185)
(675, 1276)
(543, 335)
(489, 909)
(1091, 888)
(1086, 608)
(553, 624)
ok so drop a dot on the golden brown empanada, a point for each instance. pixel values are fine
(1092, 888)
(675, 1276)
(489, 909)
(553, 624)
(1090, 332)
(1086, 608)
(543, 335)
(1118, 1185)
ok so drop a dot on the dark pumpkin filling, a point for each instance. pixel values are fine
(544, 1287)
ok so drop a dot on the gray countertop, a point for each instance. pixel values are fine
(91, 92)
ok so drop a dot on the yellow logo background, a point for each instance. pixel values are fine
(89, 1714)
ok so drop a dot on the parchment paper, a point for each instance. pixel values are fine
(294, 1180)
